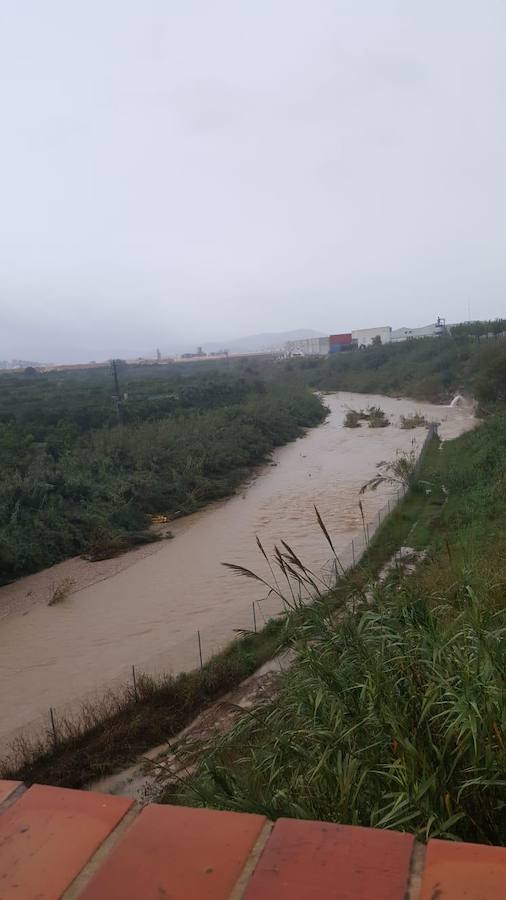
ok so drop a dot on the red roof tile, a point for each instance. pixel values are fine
(48, 835)
(315, 860)
(172, 851)
(464, 872)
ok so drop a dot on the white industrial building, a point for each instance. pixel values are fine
(308, 347)
(409, 334)
(364, 337)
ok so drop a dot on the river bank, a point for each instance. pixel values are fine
(148, 610)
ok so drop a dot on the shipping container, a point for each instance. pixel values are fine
(342, 348)
(340, 338)
(323, 346)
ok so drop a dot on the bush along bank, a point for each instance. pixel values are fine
(93, 492)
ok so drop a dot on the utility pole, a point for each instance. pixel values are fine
(116, 396)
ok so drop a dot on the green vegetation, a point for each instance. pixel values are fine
(373, 415)
(393, 714)
(400, 471)
(416, 420)
(376, 417)
(394, 719)
(73, 480)
(480, 328)
(352, 419)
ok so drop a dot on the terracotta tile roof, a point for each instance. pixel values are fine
(56, 843)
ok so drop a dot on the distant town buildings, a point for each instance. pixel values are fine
(361, 338)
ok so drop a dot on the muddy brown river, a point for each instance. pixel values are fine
(146, 607)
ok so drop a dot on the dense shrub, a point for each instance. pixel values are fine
(68, 489)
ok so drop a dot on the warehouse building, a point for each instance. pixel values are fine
(409, 334)
(307, 347)
(364, 337)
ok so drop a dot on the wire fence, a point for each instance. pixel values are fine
(193, 652)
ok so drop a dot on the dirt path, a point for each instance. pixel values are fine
(177, 757)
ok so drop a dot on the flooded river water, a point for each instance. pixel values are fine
(147, 606)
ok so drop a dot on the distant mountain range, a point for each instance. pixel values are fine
(269, 340)
(253, 343)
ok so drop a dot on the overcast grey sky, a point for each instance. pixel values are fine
(181, 170)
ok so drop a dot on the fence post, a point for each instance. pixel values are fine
(367, 534)
(379, 517)
(353, 551)
(200, 650)
(389, 506)
(136, 693)
(53, 725)
(254, 616)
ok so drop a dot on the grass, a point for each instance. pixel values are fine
(392, 718)
(393, 715)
